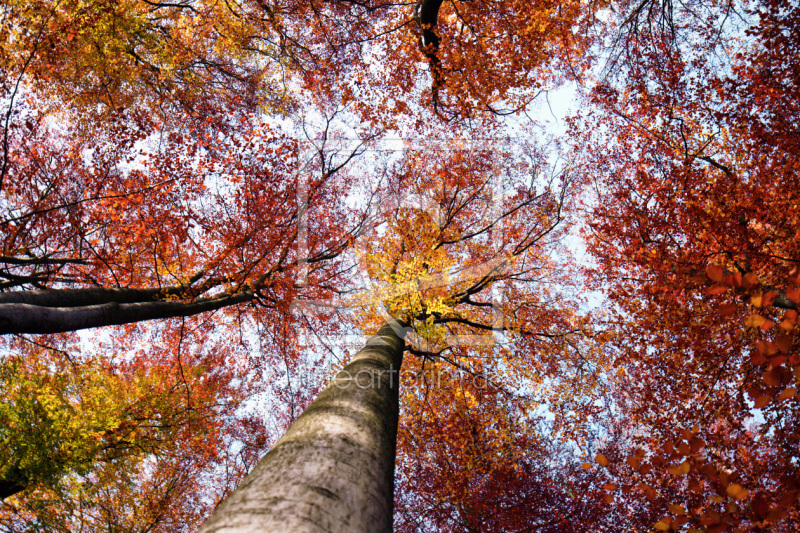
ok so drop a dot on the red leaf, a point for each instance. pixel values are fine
(715, 273)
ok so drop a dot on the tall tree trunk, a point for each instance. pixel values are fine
(333, 470)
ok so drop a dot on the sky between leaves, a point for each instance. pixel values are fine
(150, 153)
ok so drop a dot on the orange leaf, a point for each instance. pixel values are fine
(696, 444)
(772, 377)
(756, 300)
(787, 393)
(662, 525)
(777, 360)
(769, 298)
(755, 320)
(750, 280)
(766, 348)
(793, 295)
(586, 466)
(761, 402)
(736, 491)
(601, 459)
(784, 343)
(717, 289)
(677, 509)
(794, 275)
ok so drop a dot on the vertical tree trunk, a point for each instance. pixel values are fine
(333, 470)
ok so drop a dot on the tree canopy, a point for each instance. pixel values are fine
(201, 202)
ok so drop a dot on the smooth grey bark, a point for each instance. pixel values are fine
(88, 296)
(28, 318)
(333, 470)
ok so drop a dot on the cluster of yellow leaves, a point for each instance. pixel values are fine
(54, 418)
(62, 414)
(409, 270)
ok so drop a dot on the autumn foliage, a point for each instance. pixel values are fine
(695, 238)
(604, 313)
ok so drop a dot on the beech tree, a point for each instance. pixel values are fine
(134, 217)
(431, 270)
(145, 177)
(695, 237)
(119, 252)
(197, 227)
(101, 233)
(96, 440)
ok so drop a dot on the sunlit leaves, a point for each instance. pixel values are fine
(106, 56)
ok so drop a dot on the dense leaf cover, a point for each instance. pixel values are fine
(208, 180)
(695, 236)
